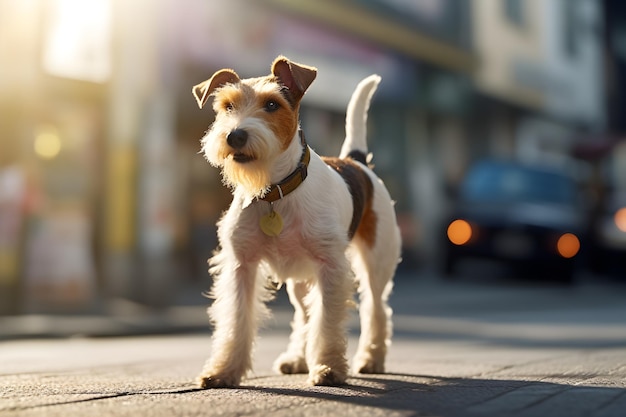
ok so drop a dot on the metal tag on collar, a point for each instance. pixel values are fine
(272, 223)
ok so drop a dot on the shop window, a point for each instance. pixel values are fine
(571, 27)
(514, 11)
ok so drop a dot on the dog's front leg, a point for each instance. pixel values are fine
(234, 314)
(326, 339)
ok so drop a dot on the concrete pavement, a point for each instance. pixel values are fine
(460, 350)
(153, 376)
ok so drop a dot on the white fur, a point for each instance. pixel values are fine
(356, 116)
(312, 255)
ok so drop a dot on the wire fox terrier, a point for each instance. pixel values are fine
(308, 221)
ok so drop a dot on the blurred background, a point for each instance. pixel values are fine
(103, 194)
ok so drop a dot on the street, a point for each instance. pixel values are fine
(482, 142)
(462, 348)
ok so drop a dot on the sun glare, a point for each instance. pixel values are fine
(77, 41)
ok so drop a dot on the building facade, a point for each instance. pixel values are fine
(103, 193)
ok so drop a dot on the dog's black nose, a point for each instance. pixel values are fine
(237, 138)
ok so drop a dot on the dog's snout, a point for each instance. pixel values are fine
(237, 138)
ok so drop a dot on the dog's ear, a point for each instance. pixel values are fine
(296, 77)
(203, 91)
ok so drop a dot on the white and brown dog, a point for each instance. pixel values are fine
(310, 222)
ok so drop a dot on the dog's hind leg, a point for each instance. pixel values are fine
(374, 263)
(293, 360)
(375, 316)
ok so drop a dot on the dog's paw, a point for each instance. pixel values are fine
(324, 375)
(366, 364)
(371, 366)
(288, 363)
(218, 381)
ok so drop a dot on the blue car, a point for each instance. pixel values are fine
(523, 215)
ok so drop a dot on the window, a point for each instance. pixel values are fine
(514, 11)
(571, 27)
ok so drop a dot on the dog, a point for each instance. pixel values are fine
(310, 222)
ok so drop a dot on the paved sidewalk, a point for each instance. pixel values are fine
(141, 376)
(459, 350)
(154, 376)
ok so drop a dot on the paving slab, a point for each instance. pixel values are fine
(153, 375)
(459, 350)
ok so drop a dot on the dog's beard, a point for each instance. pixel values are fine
(252, 177)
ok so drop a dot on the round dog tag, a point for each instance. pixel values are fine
(271, 224)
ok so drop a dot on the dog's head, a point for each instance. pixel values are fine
(256, 120)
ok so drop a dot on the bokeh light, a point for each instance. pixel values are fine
(620, 219)
(47, 143)
(568, 245)
(459, 232)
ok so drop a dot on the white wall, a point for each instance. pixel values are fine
(576, 90)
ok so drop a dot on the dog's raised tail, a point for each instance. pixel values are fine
(356, 117)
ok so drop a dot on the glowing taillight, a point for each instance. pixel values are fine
(620, 219)
(568, 245)
(459, 232)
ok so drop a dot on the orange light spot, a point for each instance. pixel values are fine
(568, 245)
(620, 219)
(459, 232)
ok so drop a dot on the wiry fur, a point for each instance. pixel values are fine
(313, 254)
(356, 117)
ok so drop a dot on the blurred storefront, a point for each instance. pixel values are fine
(102, 190)
(542, 75)
(51, 134)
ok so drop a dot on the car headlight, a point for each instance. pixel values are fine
(568, 245)
(620, 219)
(459, 232)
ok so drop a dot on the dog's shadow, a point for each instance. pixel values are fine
(416, 395)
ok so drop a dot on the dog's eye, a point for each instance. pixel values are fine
(271, 106)
(229, 106)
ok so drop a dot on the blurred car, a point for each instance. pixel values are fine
(520, 214)
(609, 237)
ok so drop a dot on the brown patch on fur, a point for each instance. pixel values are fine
(232, 98)
(283, 121)
(361, 189)
(367, 227)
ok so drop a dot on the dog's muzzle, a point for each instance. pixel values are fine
(237, 138)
